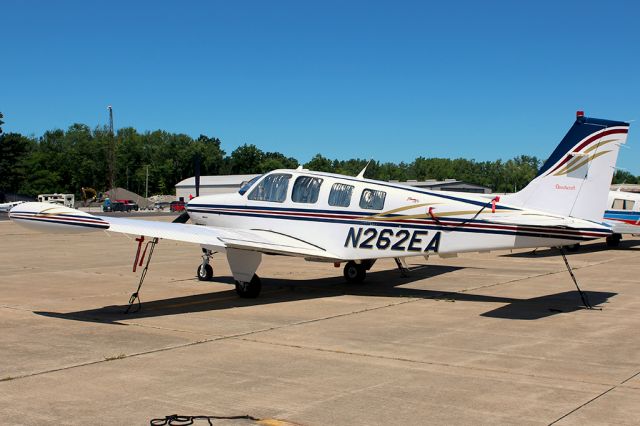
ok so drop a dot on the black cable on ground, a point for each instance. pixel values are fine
(179, 420)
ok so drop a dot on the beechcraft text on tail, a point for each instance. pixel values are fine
(355, 221)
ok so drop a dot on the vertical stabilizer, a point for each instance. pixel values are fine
(575, 180)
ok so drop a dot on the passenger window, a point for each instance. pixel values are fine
(272, 188)
(247, 185)
(306, 189)
(618, 204)
(340, 195)
(372, 200)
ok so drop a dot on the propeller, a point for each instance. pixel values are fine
(184, 216)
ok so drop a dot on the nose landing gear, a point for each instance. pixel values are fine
(205, 271)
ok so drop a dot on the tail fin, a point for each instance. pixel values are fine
(575, 180)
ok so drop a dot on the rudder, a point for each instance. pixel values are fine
(575, 180)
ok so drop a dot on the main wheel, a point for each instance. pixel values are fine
(205, 272)
(573, 247)
(249, 290)
(613, 240)
(354, 273)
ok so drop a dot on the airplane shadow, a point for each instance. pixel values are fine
(379, 284)
(590, 248)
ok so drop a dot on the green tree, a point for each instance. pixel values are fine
(320, 164)
(246, 159)
(14, 152)
(623, 176)
(275, 160)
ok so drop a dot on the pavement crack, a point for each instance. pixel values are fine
(595, 398)
(415, 361)
(194, 343)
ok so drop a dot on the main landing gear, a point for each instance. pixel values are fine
(613, 240)
(251, 289)
(355, 273)
(246, 289)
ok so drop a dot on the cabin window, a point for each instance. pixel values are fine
(272, 188)
(340, 195)
(247, 185)
(306, 189)
(372, 200)
(619, 204)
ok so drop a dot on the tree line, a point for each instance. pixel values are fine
(65, 161)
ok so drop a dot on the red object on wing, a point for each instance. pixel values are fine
(493, 203)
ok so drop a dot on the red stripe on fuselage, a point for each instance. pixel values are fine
(452, 224)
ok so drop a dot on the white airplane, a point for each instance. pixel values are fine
(622, 214)
(5, 207)
(354, 221)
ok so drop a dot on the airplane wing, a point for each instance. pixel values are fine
(220, 238)
(54, 218)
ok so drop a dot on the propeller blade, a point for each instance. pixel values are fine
(197, 170)
(183, 218)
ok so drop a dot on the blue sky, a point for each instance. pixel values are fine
(388, 80)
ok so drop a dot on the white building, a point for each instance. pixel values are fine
(210, 185)
(447, 185)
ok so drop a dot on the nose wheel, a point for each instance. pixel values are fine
(205, 271)
(251, 289)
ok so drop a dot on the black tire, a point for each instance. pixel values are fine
(613, 240)
(204, 274)
(354, 273)
(573, 247)
(249, 290)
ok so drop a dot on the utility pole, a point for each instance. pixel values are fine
(110, 119)
(146, 185)
(111, 152)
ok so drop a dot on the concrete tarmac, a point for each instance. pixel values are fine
(494, 338)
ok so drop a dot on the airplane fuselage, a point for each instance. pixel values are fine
(377, 219)
(623, 212)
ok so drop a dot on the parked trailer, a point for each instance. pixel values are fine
(67, 200)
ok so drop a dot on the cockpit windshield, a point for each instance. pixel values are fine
(248, 185)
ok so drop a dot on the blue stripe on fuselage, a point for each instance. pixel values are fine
(624, 215)
(212, 208)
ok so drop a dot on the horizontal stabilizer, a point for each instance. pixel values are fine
(543, 220)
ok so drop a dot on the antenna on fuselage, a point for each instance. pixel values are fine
(361, 174)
